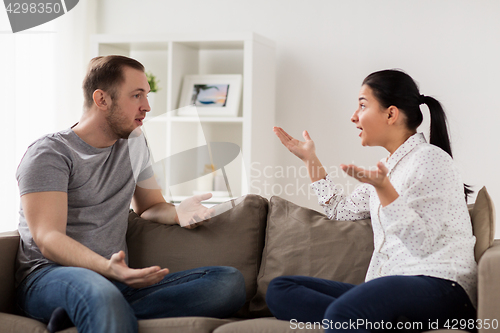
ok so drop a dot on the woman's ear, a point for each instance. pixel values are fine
(392, 114)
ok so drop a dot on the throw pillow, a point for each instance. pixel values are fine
(483, 222)
(301, 241)
(234, 238)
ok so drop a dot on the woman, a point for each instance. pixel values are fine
(422, 268)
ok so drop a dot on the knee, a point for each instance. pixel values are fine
(278, 286)
(276, 289)
(226, 293)
(340, 311)
(100, 295)
(234, 285)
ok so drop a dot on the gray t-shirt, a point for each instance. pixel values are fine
(99, 182)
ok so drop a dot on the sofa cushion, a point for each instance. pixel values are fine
(234, 238)
(10, 323)
(301, 241)
(483, 222)
(273, 325)
(267, 325)
(9, 243)
(15, 324)
(181, 325)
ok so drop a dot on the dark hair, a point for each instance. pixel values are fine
(395, 87)
(106, 73)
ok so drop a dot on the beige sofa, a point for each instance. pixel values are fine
(263, 239)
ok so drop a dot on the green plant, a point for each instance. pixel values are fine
(153, 82)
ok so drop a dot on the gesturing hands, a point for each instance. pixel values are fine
(303, 150)
(135, 278)
(191, 213)
(378, 178)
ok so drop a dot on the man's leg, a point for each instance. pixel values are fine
(91, 301)
(380, 303)
(303, 298)
(207, 291)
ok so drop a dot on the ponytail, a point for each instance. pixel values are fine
(439, 130)
(394, 87)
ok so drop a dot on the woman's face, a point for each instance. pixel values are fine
(370, 118)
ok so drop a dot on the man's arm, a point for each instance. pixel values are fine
(46, 214)
(149, 204)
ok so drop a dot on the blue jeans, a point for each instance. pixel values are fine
(417, 303)
(96, 304)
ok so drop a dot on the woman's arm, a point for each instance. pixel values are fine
(305, 150)
(331, 197)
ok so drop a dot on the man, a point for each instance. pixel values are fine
(76, 187)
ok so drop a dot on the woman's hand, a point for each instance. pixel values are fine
(303, 150)
(378, 178)
(306, 151)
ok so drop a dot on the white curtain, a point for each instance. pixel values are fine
(40, 89)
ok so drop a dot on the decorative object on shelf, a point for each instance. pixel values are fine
(206, 179)
(212, 95)
(153, 85)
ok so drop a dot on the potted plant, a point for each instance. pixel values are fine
(153, 85)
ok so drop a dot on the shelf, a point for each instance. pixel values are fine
(174, 56)
(212, 200)
(178, 119)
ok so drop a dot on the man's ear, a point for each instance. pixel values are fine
(393, 114)
(101, 99)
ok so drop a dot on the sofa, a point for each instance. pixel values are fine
(263, 239)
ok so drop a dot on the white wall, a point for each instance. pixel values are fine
(326, 47)
(41, 72)
(324, 50)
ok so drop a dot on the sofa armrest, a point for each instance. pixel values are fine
(9, 243)
(488, 307)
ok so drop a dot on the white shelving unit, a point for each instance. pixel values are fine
(170, 58)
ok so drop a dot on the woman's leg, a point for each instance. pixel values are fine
(214, 291)
(377, 304)
(303, 298)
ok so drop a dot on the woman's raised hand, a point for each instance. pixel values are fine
(305, 150)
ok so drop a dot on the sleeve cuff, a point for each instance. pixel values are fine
(325, 189)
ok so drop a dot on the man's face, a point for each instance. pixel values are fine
(129, 108)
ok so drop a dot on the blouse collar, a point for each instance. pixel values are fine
(404, 149)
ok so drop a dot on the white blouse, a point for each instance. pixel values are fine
(426, 230)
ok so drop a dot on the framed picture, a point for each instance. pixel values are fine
(212, 95)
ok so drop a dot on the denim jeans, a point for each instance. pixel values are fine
(96, 304)
(376, 305)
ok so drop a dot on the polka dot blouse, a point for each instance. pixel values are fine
(426, 230)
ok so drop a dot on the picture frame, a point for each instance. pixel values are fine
(212, 95)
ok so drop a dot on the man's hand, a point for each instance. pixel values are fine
(191, 213)
(135, 278)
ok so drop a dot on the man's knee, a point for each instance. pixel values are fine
(90, 289)
(233, 285)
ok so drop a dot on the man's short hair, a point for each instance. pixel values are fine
(106, 73)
